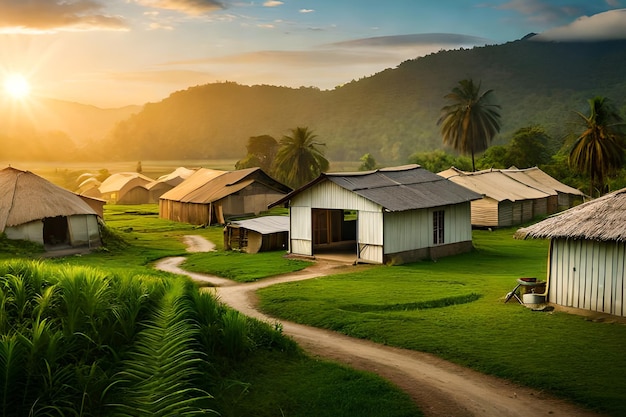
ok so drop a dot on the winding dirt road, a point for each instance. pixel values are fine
(440, 388)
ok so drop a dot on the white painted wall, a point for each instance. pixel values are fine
(589, 275)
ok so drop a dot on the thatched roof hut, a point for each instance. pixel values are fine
(586, 263)
(32, 208)
(602, 219)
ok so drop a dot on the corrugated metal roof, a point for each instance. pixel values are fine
(494, 184)
(265, 225)
(26, 197)
(173, 178)
(118, 180)
(401, 188)
(192, 183)
(207, 186)
(546, 179)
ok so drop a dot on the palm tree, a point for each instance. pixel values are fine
(599, 150)
(299, 159)
(471, 121)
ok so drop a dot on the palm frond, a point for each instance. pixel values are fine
(163, 361)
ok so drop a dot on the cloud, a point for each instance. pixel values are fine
(306, 10)
(419, 39)
(39, 16)
(609, 25)
(542, 12)
(273, 3)
(330, 64)
(189, 7)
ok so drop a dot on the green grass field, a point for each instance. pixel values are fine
(455, 309)
(267, 378)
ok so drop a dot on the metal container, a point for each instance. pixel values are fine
(532, 298)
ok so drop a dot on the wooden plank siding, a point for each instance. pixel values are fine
(588, 274)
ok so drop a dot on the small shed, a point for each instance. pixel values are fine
(391, 215)
(587, 257)
(258, 234)
(125, 188)
(210, 196)
(32, 208)
(506, 201)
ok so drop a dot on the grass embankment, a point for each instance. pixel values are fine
(104, 334)
(455, 309)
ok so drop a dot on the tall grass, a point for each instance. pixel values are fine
(83, 341)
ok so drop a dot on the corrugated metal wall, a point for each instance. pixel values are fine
(485, 212)
(589, 275)
(413, 229)
(300, 234)
(370, 235)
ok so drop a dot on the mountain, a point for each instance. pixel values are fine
(48, 129)
(390, 114)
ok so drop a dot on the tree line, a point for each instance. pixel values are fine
(468, 124)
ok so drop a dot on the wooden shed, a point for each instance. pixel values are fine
(258, 234)
(391, 215)
(587, 257)
(32, 208)
(506, 201)
(211, 196)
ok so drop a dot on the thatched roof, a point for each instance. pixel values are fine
(27, 197)
(602, 219)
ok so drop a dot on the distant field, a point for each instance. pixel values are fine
(64, 174)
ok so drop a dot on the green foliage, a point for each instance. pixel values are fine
(261, 153)
(10, 248)
(157, 376)
(77, 340)
(471, 120)
(599, 150)
(368, 163)
(438, 160)
(299, 158)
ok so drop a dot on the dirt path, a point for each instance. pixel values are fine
(440, 388)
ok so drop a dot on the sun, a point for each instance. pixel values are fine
(17, 86)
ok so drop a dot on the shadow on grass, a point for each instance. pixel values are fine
(422, 305)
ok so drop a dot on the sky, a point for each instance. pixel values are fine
(112, 53)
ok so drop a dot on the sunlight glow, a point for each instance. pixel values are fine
(17, 86)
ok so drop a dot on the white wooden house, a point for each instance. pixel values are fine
(587, 258)
(392, 215)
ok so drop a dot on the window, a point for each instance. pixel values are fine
(438, 227)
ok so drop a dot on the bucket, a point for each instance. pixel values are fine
(532, 298)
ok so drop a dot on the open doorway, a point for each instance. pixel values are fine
(334, 231)
(55, 231)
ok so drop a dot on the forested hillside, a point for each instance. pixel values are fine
(391, 114)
